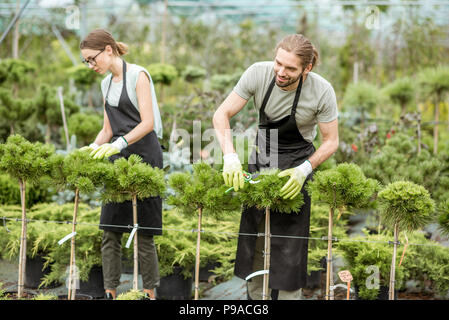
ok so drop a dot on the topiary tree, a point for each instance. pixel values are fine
(200, 191)
(443, 218)
(164, 74)
(131, 179)
(49, 109)
(341, 188)
(264, 193)
(192, 74)
(15, 72)
(401, 92)
(406, 206)
(80, 173)
(14, 110)
(364, 98)
(26, 162)
(84, 78)
(435, 84)
(85, 126)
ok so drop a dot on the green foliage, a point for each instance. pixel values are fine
(162, 73)
(43, 296)
(362, 96)
(16, 70)
(443, 218)
(406, 204)
(223, 82)
(79, 171)
(428, 260)
(177, 246)
(85, 126)
(192, 73)
(82, 76)
(132, 177)
(131, 295)
(266, 193)
(10, 192)
(204, 188)
(14, 110)
(371, 250)
(434, 81)
(344, 186)
(401, 91)
(23, 160)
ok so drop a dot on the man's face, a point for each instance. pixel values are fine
(287, 67)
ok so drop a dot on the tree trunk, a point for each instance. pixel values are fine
(329, 274)
(197, 258)
(72, 288)
(23, 242)
(393, 264)
(136, 252)
(435, 128)
(266, 263)
(15, 41)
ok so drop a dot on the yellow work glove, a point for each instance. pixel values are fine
(109, 149)
(297, 177)
(232, 171)
(93, 146)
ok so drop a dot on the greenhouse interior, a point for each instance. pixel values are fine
(309, 140)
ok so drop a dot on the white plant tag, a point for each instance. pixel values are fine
(67, 237)
(131, 236)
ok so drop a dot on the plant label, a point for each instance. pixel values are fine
(345, 276)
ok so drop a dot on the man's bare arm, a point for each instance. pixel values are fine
(329, 145)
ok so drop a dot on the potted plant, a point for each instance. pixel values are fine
(132, 295)
(341, 188)
(131, 179)
(26, 162)
(201, 191)
(406, 206)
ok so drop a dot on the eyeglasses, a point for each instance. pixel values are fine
(92, 60)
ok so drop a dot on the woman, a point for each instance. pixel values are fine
(131, 125)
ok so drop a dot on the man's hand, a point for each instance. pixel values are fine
(109, 149)
(297, 177)
(232, 171)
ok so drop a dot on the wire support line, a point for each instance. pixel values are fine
(193, 230)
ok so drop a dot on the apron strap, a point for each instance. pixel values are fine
(295, 102)
(262, 116)
(124, 80)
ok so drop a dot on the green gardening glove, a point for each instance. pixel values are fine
(297, 177)
(109, 149)
(93, 146)
(232, 171)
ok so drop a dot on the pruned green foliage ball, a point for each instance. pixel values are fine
(342, 187)
(130, 177)
(131, 295)
(407, 204)
(204, 188)
(266, 193)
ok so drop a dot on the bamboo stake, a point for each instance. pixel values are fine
(197, 262)
(23, 242)
(72, 289)
(393, 263)
(329, 275)
(136, 252)
(266, 263)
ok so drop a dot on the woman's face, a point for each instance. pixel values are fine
(98, 60)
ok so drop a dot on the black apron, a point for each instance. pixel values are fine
(288, 261)
(123, 119)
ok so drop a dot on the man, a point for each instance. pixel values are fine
(291, 101)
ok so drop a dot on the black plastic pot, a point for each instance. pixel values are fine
(175, 287)
(94, 286)
(205, 273)
(313, 280)
(35, 272)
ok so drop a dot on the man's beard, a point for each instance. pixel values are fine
(286, 83)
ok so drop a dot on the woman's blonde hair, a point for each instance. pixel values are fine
(302, 47)
(98, 39)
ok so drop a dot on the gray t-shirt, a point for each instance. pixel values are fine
(132, 74)
(317, 102)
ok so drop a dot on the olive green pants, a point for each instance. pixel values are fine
(111, 253)
(255, 284)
